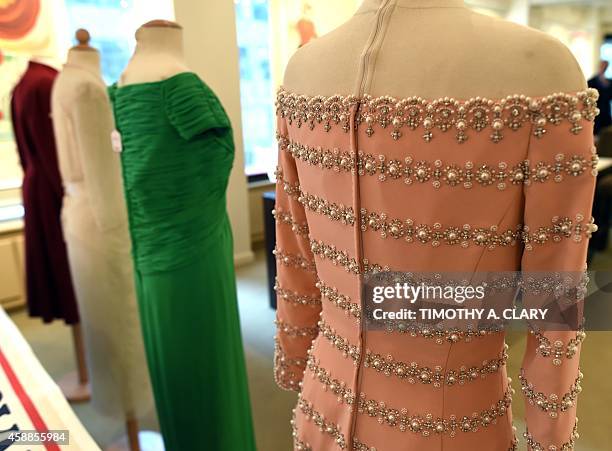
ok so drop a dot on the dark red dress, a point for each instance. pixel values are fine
(49, 287)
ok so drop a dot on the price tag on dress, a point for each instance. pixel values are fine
(116, 141)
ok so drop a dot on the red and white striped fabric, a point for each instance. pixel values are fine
(29, 399)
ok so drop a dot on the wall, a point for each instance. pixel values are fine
(284, 16)
(211, 51)
(578, 27)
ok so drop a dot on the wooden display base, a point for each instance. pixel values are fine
(149, 441)
(74, 391)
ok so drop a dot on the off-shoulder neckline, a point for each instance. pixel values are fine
(351, 98)
(156, 82)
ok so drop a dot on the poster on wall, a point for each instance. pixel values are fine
(11, 68)
(30, 27)
(295, 24)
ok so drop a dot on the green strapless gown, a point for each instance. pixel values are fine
(177, 154)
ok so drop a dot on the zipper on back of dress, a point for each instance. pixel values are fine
(364, 79)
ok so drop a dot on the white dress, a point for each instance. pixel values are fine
(95, 226)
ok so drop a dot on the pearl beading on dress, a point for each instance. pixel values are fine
(534, 445)
(288, 372)
(295, 298)
(284, 217)
(477, 114)
(558, 350)
(424, 424)
(319, 420)
(552, 404)
(293, 260)
(410, 372)
(439, 174)
(435, 234)
(339, 300)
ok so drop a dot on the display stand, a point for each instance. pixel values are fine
(75, 385)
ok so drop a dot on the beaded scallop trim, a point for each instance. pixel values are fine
(293, 260)
(464, 117)
(439, 173)
(311, 414)
(295, 298)
(300, 445)
(341, 258)
(567, 446)
(558, 350)
(410, 372)
(295, 331)
(424, 424)
(427, 424)
(552, 404)
(353, 352)
(284, 217)
(437, 377)
(285, 375)
(339, 300)
(359, 446)
(319, 420)
(554, 285)
(560, 228)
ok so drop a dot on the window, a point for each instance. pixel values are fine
(112, 24)
(256, 88)
(113, 42)
(606, 54)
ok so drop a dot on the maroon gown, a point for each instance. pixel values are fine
(49, 286)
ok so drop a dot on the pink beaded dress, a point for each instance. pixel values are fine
(414, 184)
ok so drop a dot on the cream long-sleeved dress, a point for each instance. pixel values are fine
(95, 228)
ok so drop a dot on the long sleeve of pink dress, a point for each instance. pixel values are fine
(424, 185)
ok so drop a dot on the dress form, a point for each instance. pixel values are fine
(158, 54)
(94, 206)
(87, 58)
(76, 385)
(432, 49)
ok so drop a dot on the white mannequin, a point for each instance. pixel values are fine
(432, 48)
(95, 227)
(158, 54)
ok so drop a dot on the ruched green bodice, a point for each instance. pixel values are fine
(177, 155)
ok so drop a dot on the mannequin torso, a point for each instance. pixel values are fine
(158, 55)
(432, 49)
(82, 120)
(81, 73)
